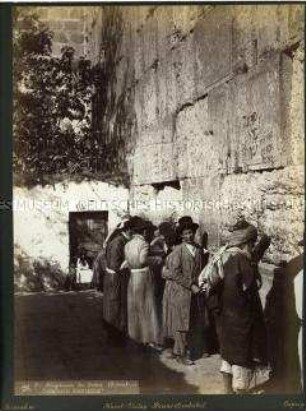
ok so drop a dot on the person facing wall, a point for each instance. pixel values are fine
(115, 284)
(143, 327)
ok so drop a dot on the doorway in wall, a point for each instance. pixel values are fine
(87, 232)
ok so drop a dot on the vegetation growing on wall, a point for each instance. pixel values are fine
(113, 109)
(56, 132)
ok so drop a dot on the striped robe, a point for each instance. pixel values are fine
(142, 318)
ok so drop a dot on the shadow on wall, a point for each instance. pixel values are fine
(283, 328)
(36, 274)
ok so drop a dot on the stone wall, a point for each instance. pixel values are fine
(205, 109)
(219, 107)
(41, 231)
(72, 26)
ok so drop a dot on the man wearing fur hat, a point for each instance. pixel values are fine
(183, 266)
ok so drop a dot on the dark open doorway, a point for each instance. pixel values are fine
(87, 232)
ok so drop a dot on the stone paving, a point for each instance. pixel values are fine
(60, 336)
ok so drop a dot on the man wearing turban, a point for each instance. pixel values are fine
(242, 332)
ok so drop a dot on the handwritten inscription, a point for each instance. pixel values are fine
(157, 405)
(258, 147)
(294, 404)
(77, 387)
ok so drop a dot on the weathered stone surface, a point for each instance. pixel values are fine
(184, 70)
(166, 204)
(158, 133)
(220, 111)
(269, 19)
(219, 106)
(46, 211)
(244, 37)
(138, 54)
(150, 42)
(162, 84)
(296, 23)
(61, 37)
(196, 148)
(213, 44)
(257, 131)
(184, 18)
(296, 142)
(77, 38)
(172, 95)
(273, 201)
(152, 165)
(150, 108)
(58, 12)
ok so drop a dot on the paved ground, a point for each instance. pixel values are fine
(59, 336)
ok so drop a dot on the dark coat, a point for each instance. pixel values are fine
(115, 285)
(242, 330)
(182, 270)
(99, 267)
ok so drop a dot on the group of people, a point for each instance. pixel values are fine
(161, 287)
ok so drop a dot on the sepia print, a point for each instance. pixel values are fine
(158, 199)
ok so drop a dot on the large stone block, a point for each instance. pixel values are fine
(73, 25)
(139, 104)
(128, 53)
(183, 61)
(213, 45)
(256, 116)
(244, 37)
(273, 201)
(173, 25)
(58, 12)
(185, 17)
(143, 13)
(172, 93)
(154, 164)
(159, 132)
(150, 42)
(138, 54)
(76, 12)
(61, 37)
(150, 108)
(220, 125)
(162, 84)
(121, 79)
(272, 25)
(295, 144)
(163, 17)
(196, 148)
(296, 23)
(77, 38)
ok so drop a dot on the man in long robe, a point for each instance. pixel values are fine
(160, 247)
(242, 333)
(184, 265)
(115, 284)
(143, 327)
